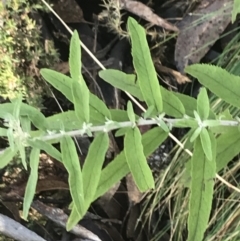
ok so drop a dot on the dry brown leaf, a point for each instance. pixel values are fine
(134, 195)
(179, 77)
(146, 13)
(200, 30)
(50, 184)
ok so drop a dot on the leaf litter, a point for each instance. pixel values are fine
(200, 30)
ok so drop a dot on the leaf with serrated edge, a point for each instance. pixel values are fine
(202, 184)
(218, 81)
(136, 160)
(143, 64)
(206, 143)
(6, 156)
(48, 148)
(118, 168)
(32, 181)
(93, 166)
(81, 100)
(75, 64)
(227, 148)
(71, 163)
(203, 106)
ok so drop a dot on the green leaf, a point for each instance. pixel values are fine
(59, 81)
(67, 120)
(73, 219)
(203, 105)
(6, 156)
(130, 112)
(17, 105)
(98, 110)
(32, 181)
(195, 134)
(122, 81)
(10, 137)
(149, 112)
(118, 168)
(236, 10)
(206, 143)
(93, 166)
(171, 104)
(120, 115)
(202, 184)
(217, 80)
(71, 162)
(48, 148)
(25, 124)
(143, 64)
(81, 100)
(186, 123)
(37, 118)
(75, 64)
(227, 148)
(122, 131)
(136, 160)
(3, 131)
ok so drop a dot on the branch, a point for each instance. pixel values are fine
(17, 231)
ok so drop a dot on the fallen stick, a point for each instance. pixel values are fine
(17, 231)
